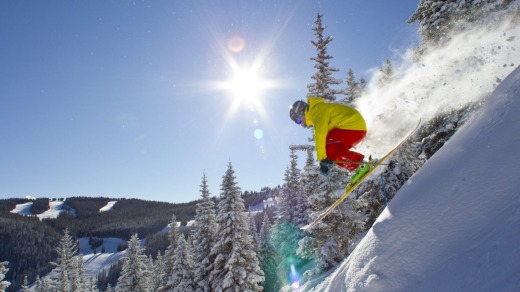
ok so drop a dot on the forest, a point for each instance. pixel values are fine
(227, 247)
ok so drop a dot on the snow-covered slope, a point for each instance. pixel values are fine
(23, 209)
(96, 262)
(108, 206)
(455, 225)
(55, 209)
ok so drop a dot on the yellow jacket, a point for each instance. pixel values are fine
(327, 116)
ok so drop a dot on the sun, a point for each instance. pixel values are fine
(246, 85)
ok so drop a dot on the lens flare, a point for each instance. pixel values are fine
(236, 44)
(295, 278)
(259, 134)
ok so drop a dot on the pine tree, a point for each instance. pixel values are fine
(269, 258)
(204, 237)
(25, 285)
(284, 237)
(353, 90)
(254, 233)
(158, 275)
(38, 287)
(386, 74)
(3, 270)
(67, 249)
(42, 285)
(290, 192)
(439, 18)
(169, 254)
(181, 279)
(323, 78)
(234, 264)
(325, 249)
(78, 279)
(362, 86)
(92, 284)
(310, 183)
(135, 273)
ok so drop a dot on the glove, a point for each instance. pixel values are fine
(325, 166)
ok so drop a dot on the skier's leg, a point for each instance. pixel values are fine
(338, 147)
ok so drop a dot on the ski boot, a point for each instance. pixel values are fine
(360, 171)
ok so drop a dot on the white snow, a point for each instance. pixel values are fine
(454, 225)
(178, 224)
(55, 209)
(269, 202)
(108, 206)
(23, 209)
(95, 263)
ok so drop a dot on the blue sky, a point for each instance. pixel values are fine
(136, 99)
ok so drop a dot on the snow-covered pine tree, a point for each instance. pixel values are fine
(203, 236)
(438, 18)
(290, 192)
(254, 233)
(353, 90)
(158, 275)
(92, 284)
(66, 250)
(169, 254)
(38, 287)
(328, 250)
(78, 279)
(234, 264)
(25, 285)
(3, 270)
(44, 285)
(386, 74)
(181, 279)
(284, 237)
(135, 274)
(269, 258)
(362, 86)
(323, 78)
(310, 182)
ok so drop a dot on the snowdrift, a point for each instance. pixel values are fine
(455, 225)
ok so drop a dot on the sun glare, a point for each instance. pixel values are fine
(246, 85)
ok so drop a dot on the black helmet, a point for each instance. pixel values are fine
(297, 112)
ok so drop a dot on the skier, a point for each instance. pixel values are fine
(337, 128)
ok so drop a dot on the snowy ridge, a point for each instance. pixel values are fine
(454, 225)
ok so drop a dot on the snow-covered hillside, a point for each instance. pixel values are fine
(455, 225)
(108, 206)
(96, 262)
(55, 209)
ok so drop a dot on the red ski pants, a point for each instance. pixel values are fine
(338, 147)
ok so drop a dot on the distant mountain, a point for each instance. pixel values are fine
(31, 228)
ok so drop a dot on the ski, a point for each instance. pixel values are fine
(352, 187)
